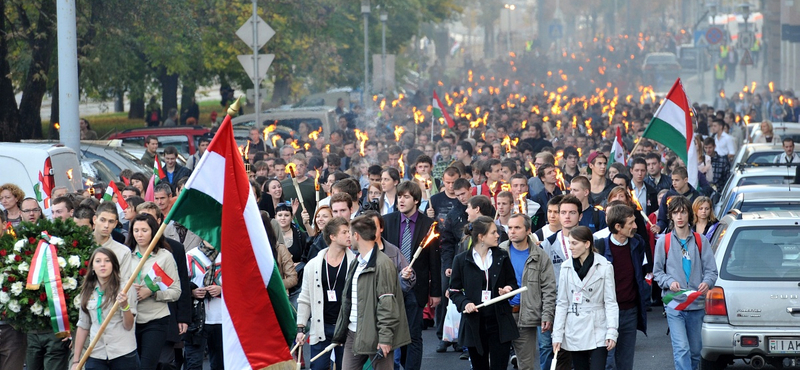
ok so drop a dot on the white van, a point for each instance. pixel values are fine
(20, 164)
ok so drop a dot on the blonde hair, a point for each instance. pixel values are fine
(769, 124)
(699, 202)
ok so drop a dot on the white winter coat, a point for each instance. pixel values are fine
(596, 318)
(310, 302)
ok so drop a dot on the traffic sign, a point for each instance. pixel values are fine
(747, 59)
(265, 32)
(746, 39)
(556, 31)
(264, 61)
(714, 35)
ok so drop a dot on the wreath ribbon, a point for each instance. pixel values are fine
(45, 271)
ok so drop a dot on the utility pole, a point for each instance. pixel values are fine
(384, 18)
(68, 99)
(510, 8)
(365, 10)
(257, 79)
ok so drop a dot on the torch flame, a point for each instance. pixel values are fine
(316, 180)
(506, 143)
(402, 166)
(432, 234)
(362, 137)
(636, 201)
(314, 135)
(771, 86)
(505, 187)
(398, 132)
(291, 169)
(247, 151)
(522, 203)
(69, 174)
(560, 179)
(275, 139)
(57, 126)
(10, 230)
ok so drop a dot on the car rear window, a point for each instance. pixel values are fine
(661, 59)
(180, 142)
(769, 206)
(762, 157)
(294, 123)
(765, 180)
(769, 253)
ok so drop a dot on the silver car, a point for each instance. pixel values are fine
(753, 312)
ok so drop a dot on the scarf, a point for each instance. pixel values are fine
(211, 253)
(582, 270)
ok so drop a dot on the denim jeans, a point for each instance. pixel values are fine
(126, 362)
(211, 338)
(684, 328)
(545, 341)
(411, 355)
(321, 364)
(621, 356)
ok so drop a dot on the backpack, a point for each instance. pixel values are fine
(154, 116)
(696, 241)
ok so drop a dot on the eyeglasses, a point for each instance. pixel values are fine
(35, 210)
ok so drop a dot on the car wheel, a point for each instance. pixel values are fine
(720, 364)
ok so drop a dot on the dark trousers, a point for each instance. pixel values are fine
(13, 346)
(411, 354)
(441, 309)
(211, 338)
(621, 356)
(324, 363)
(589, 360)
(46, 352)
(151, 337)
(126, 362)
(492, 348)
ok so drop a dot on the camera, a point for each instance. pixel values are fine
(371, 205)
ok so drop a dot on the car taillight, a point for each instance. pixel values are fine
(749, 341)
(715, 306)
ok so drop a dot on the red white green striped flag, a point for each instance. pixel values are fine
(217, 204)
(157, 279)
(618, 150)
(108, 196)
(439, 112)
(672, 127)
(158, 171)
(682, 299)
(44, 271)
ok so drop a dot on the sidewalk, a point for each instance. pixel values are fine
(705, 94)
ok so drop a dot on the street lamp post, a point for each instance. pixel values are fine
(365, 10)
(746, 14)
(510, 7)
(384, 18)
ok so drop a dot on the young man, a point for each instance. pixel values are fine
(558, 251)
(508, 169)
(553, 223)
(789, 157)
(491, 170)
(547, 173)
(83, 216)
(688, 263)
(316, 320)
(535, 185)
(279, 169)
(570, 168)
(625, 249)
(601, 185)
(422, 168)
(151, 148)
(62, 208)
(256, 144)
(442, 159)
(444, 201)
(105, 220)
(464, 153)
(680, 186)
(592, 218)
(719, 164)
(202, 145)
(644, 193)
(536, 307)
(349, 149)
(519, 186)
(407, 281)
(130, 191)
(341, 206)
(408, 228)
(725, 144)
(371, 315)
(305, 183)
(505, 208)
(654, 176)
(172, 170)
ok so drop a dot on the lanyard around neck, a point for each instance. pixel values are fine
(332, 286)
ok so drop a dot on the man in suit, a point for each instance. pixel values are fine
(407, 228)
(645, 194)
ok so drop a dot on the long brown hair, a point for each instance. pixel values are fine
(91, 281)
(153, 224)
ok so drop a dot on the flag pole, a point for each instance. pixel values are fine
(125, 289)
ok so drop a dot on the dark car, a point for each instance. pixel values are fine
(184, 138)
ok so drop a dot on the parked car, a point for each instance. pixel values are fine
(110, 152)
(752, 312)
(138, 152)
(726, 204)
(787, 200)
(21, 164)
(287, 121)
(660, 70)
(758, 153)
(759, 174)
(184, 138)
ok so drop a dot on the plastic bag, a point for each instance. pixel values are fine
(452, 320)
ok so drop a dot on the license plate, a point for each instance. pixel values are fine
(786, 345)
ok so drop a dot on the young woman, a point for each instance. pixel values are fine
(100, 289)
(140, 181)
(152, 318)
(272, 197)
(389, 180)
(281, 254)
(373, 192)
(586, 308)
(11, 197)
(704, 220)
(321, 218)
(480, 274)
(296, 242)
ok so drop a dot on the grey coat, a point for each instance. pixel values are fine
(669, 268)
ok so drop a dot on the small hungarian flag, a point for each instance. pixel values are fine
(681, 300)
(158, 171)
(439, 112)
(618, 150)
(108, 196)
(157, 279)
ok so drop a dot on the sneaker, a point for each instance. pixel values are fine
(442, 347)
(514, 361)
(464, 355)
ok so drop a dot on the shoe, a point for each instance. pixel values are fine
(442, 347)
(457, 348)
(464, 356)
(514, 361)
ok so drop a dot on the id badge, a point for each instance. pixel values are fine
(331, 296)
(486, 295)
(577, 297)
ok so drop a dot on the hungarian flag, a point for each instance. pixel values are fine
(681, 300)
(439, 112)
(108, 196)
(157, 279)
(618, 150)
(672, 127)
(218, 205)
(158, 171)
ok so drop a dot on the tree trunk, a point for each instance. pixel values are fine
(281, 89)
(52, 132)
(43, 53)
(119, 101)
(188, 88)
(9, 114)
(136, 96)
(169, 90)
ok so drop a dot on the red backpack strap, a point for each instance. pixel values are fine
(699, 243)
(666, 246)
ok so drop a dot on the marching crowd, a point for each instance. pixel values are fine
(429, 226)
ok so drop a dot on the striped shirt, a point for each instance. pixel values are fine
(362, 263)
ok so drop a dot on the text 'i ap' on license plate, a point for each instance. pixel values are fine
(784, 345)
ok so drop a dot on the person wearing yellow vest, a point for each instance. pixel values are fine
(720, 73)
(723, 51)
(755, 49)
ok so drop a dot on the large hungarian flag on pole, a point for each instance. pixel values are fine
(217, 204)
(618, 150)
(440, 112)
(672, 127)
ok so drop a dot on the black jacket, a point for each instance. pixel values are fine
(427, 267)
(451, 233)
(663, 220)
(466, 285)
(179, 173)
(180, 311)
